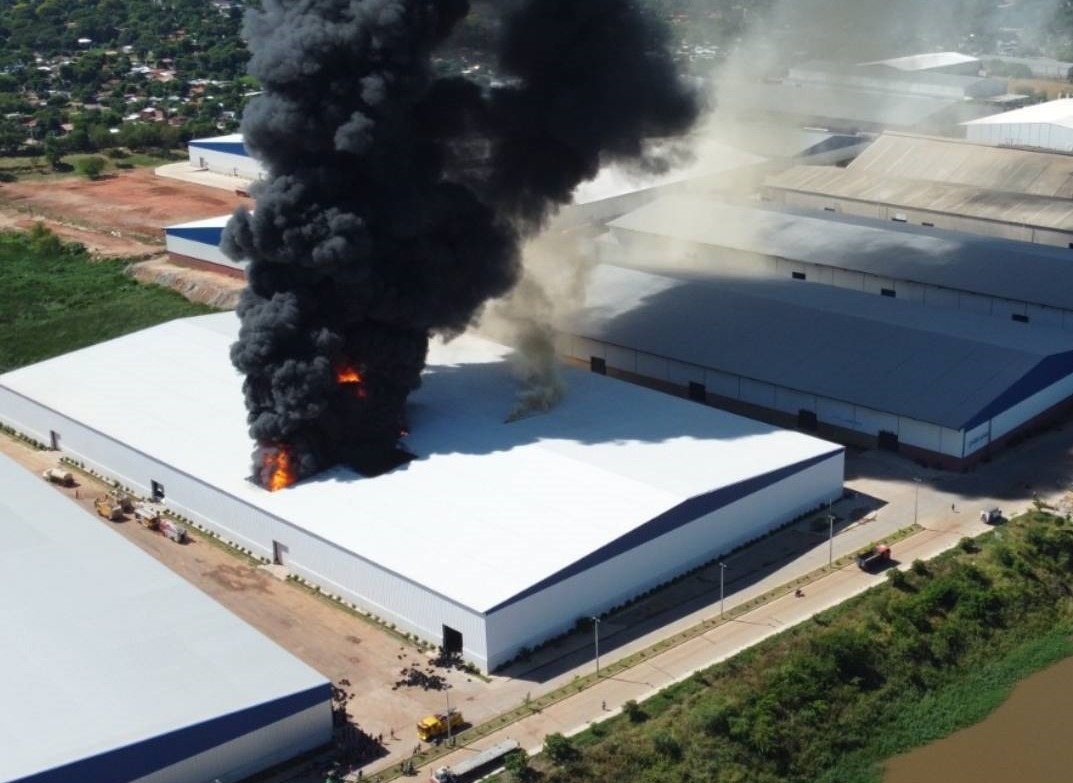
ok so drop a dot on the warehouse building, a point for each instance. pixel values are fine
(1017, 194)
(841, 109)
(197, 244)
(1007, 280)
(945, 387)
(1047, 126)
(934, 62)
(115, 669)
(884, 79)
(225, 155)
(1039, 67)
(614, 491)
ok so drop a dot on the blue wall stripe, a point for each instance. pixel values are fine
(672, 519)
(231, 147)
(206, 235)
(143, 758)
(1049, 371)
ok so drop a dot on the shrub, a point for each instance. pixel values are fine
(634, 711)
(920, 568)
(897, 578)
(559, 748)
(91, 167)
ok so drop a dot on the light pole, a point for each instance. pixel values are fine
(916, 497)
(447, 694)
(722, 570)
(830, 536)
(596, 641)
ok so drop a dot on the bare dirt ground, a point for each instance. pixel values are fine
(133, 206)
(197, 285)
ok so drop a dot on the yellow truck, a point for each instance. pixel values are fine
(108, 508)
(433, 727)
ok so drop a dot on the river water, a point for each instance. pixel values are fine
(1028, 739)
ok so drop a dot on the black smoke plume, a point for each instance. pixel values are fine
(396, 200)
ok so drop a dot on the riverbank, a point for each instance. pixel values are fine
(935, 649)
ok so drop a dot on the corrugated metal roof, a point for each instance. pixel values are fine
(903, 156)
(845, 106)
(609, 459)
(964, 262)
(924, 62)
(1058, 112)
(898, 80)
(947, 198)
(105, 648)
(941, 366)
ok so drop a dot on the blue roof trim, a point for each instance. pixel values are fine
(682, 514)
(210, 235)
(230, 147)
(143, 758)
(1049, 371)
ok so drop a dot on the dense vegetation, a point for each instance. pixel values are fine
(934, 650)
(56, 299)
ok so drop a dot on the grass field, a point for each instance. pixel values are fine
(36, 168)
(54, 299)
(936, 649)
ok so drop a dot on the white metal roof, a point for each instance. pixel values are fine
(924, 62)
(219, 221)
(938, 365)
(1058, 112)
(1004, 268)
(229, 138)
(103, 647)
(610, 457)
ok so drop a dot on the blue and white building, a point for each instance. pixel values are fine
(225, 155)
(499, 533)
(113, 668)
(198, 244)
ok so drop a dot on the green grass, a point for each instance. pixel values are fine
(54, 299)
(885, 672)
(25, 167)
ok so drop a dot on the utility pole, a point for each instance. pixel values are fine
(596, 641)
(916, 497)
(722, 570)
(830, 536)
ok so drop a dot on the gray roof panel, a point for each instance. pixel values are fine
(941, 366)
(989, 266)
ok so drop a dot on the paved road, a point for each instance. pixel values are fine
(946, 505)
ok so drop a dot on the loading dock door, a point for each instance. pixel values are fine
(452, 640)
(279, 553)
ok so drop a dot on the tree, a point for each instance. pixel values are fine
(517, 764)
(53, 152)
(91, 167)
(559, 748)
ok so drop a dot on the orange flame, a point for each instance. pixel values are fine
(282, 473)
(347, 375)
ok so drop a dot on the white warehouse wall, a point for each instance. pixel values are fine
(393, 598)
(225, 163)
(253, 752)
(1044, 135)
(200, 251)
(624, 576)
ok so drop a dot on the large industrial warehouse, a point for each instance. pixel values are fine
(115, 669)
(225, 155)
(615, 490)
(943, 386)
(943, 183)
(197, 244)
(1045, 125)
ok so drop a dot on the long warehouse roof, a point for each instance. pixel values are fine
(924, 62)
(1059, 112)
(105, 648)
(842, 104)
(606, 465)
(904, 156)
(948, 198)
(990, 266)
(946, 367)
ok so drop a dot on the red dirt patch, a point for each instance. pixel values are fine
(135, 202)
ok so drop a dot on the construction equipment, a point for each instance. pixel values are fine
(58, 476)
(123, 500)
(474, 766)
(437, 725)
(873, 558)
(147, 516)
(108, 508)
(169, 528)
